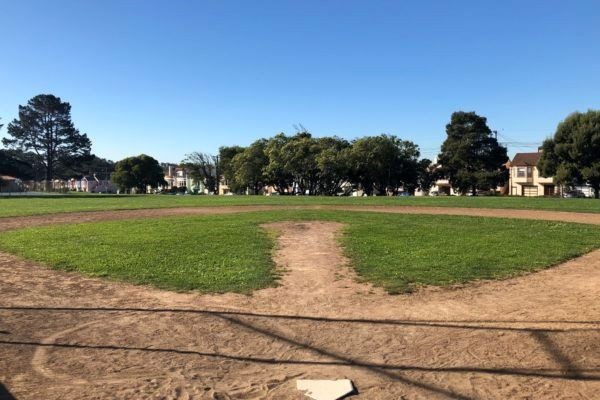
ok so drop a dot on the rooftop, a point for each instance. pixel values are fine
(526, 159)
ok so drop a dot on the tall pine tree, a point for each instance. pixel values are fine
(44, 126)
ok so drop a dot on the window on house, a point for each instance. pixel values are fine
(520, 172)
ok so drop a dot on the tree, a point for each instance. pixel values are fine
(299, 162)
(471, 157)
(18, 164)
(44, 126)
(138, 172)
(91, 165)
(226, 154)
(384, 163)
(275, 172)
(249, 167)
(333, 165)
(572, 156)
(203, 167)
(427, 174)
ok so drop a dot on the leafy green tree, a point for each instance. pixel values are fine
(203, 167)
(572, 156)
(384, 163)
(226, 154)
(299, 161)
(471, 157)
(427, 174)
(249, 167)
(138, 172)
(333, 165)
(275, 171)
(44, 126)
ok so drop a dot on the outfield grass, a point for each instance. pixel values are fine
(231, 253)
(10, 207)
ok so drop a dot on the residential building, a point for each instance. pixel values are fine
(525, 178)
(91, 184)
(179, 177)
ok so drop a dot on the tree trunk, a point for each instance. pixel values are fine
(49, 170)
(596, 191)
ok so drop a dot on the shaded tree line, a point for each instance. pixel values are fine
(303, 164)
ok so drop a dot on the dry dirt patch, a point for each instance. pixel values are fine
(66, 336)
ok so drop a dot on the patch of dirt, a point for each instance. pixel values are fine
(65, 336)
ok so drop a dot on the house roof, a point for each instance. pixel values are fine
(526, 159)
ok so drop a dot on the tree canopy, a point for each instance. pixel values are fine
(203, 167)
(304, 164)
(18, 164)
(471, 157)
(572, 156)
(226, 154)
(44, 126)
(138, 172)
(384, 163)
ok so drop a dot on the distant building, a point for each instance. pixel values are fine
(179, 177)
(525, 178)
(91, 184)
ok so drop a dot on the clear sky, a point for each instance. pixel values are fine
(170, 77)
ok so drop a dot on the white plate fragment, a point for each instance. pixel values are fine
(324, 389)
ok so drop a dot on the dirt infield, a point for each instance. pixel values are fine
(64, 336)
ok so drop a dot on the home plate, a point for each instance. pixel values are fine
(324, 389)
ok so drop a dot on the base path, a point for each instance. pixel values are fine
(64, 336)
(7, 223)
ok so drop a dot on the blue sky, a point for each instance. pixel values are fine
(170, 77)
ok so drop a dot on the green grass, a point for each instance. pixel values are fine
(10, 207)
(231, 253)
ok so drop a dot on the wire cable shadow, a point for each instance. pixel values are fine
(451, 324)
(5, 394)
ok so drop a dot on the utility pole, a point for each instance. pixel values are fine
(218, 178)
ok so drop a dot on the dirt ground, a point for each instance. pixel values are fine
(65, 336)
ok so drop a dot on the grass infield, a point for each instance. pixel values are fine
(20, 206)
(231, 253)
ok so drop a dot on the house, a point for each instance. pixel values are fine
(179, 177)
(91, 184)
(525, 178)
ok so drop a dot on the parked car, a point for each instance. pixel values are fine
(573, 194)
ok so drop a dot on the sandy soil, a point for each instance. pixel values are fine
(64, 336)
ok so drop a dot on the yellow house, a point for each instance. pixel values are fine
(525, 179)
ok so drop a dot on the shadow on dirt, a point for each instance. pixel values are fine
(566, 370)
